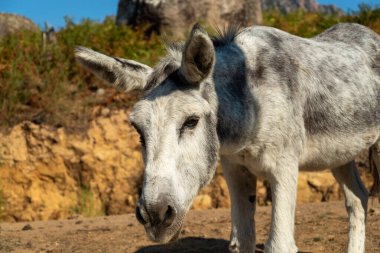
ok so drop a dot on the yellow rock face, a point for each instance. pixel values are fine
(46, 173)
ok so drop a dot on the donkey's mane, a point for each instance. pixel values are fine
(226, 36)
(172, 61)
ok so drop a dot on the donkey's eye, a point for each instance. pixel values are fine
(190, 123)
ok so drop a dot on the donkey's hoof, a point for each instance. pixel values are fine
(234, 247)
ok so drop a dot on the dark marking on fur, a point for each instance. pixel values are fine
(281, 66)
(252, 199)
(161, 73)
(259, 72)
(130, 65)
(320, 119)
(100, 69)
(179, 80)
(234, 94)
(274, 41)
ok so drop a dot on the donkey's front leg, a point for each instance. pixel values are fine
(283, 180)
(242, 187)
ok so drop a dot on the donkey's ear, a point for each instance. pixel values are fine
(125, 75)
(198, 56)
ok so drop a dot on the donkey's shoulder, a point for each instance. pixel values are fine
(271, 36)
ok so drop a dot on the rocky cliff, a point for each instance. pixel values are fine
(175, 17)
(47, 173)
(287, 6)
(11, 23)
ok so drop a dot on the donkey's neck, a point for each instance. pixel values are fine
(235, 104)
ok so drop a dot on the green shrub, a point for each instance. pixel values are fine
(300, 23)
(367, 15)
(307, 24)
(45, 84)
(86, 205)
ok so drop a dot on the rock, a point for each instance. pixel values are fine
(202, 202)
(217, 190)
(374, 211)
(287, 6)
(330, 9)
(47, 173)
(101, 92)
(27, 227)
(11, 23)
(317, 187)
(175, 17)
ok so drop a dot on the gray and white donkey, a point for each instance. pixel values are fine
(267, 103)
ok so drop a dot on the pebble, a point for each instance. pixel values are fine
(27, 227)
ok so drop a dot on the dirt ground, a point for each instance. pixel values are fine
(320, 227)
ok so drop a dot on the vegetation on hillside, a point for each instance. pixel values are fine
(43, 83)
(309, 24)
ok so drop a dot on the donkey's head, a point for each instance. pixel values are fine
(176, 120)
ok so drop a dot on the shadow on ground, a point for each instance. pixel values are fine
(189, 244)
(195, 245)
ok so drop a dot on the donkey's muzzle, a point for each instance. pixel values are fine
(140, 216)
(158, 215)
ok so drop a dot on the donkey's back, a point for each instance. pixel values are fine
(355, 35)
(330, 84)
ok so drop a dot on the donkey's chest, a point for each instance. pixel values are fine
(250, 161)
(258, 159)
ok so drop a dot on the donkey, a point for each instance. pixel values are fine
(267, 103)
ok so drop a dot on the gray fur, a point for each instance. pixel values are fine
(125, 75)
(268, 103)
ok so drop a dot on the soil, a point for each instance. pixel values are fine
(320, 227)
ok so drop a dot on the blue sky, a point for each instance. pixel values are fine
(347, 5)
(54, 11)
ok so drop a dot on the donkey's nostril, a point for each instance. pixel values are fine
(170, 215)
(139, 216)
